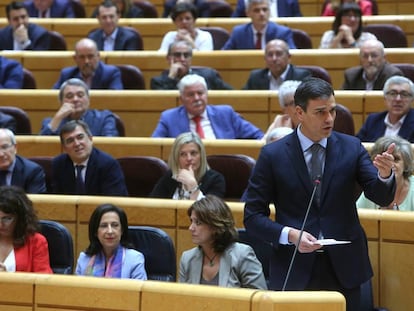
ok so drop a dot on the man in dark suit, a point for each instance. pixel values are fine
(50, 8)
(286, 174)
(279, 69)
(398, 119)
(90, 69)
(179, 58)
(208, 121)
(20, 34)
(16, 170)
(110, 36)
(259, 31)
(11, 74)
(83, 169)
(373, 71)
(278, 8)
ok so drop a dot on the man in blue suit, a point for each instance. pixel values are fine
(259, 31)
(90, 69)
(50, 8)
(208, 121)
(288, 172)
(278, 8)
(398, 119)
(83, 169)
(20, 34)
(16, 170)
(11, 74)
(111, 37)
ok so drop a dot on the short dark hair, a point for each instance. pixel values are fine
(70, 127)
(15, 5)
(182, 7)
(107, 4)
(312, 88)
(344, 9)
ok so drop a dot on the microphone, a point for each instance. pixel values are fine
(316, 182)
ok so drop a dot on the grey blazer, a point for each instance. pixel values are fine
(239, 267)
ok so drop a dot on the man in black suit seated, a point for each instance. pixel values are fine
(179, 58)
(278, 68)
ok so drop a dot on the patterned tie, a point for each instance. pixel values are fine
(3, 178)
(258, 41)
(199, 128)
(80, 184)
(316, 168)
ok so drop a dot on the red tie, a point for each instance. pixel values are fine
(44, 13)
(199, 128)
(258, 41)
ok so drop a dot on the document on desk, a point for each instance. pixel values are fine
(326, 242)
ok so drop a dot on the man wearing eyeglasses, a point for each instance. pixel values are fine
(398, 119)
(180, 54)
(16, 170)
(373, 71)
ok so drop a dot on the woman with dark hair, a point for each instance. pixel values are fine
(346, 29)
(332, 7)
(22, 247)
(108, 253)
(218, 259)
(184, 15)
(202, 6)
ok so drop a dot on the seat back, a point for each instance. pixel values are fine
(392, 36)
(60, 246)
(302, 39)
(57, 41)
(23, 124)
(142, 173)
(120, 126)
(220, 8)
(344, 122)
(78, 8)
(140, 41)
(158, 250)
(46, 163)
(407, 69)
(236, 169)
(219, 34)
(29, 81)
(318, 72)
(149, 9)
(132, 77)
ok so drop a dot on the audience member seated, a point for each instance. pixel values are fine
(74, 105)
(278, 68)
(91, 69)
(22, 247)
(20, 34)
(11, 74)
(50, 8)
(259, 31)
(8, 121)
(208, 121)
(109, 253)
(332, 7)
(218, 259)
(189, 176)
(126, 9)
(16, 170)
(346, 29)
(403, 170)
(184, 16)
(278, 8)
(398, 119)
(373, 71)
(110, 36)
(84, 169)
(203, 9)
(179, 57)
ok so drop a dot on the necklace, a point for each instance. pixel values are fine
(211, 260)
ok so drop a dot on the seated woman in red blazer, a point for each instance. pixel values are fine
(331, 7)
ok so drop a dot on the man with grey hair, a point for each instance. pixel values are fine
(373, 71)
(74, 105)
(208, 121)
(16, 170)
(398, 119)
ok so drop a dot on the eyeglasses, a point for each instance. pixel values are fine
(5, 147)
(394, 95)
(6, 220)
(181, 54)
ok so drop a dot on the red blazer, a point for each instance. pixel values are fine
(33, 256)
(366, 8)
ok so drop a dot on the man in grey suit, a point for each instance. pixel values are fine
(373, 71)
(278, 68)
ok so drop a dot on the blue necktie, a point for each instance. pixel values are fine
(316, 168)
(80, 184)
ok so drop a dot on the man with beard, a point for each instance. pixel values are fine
(91, 69)
(374, 69)
(398, 119)
(278, 68)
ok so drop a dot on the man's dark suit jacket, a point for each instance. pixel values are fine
(285, 8)
(354, 80)
(105, 77)
(374, 127)
(59, 9)
(39, 37)
(259, 78)
(241, 37)
(103, 176)
(125, 40)
(213, 80)
(29, 176)
(8, 122)
(11, 74)
(281, 177)
(211, 183)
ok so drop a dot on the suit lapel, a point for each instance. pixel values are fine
(332, 153)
